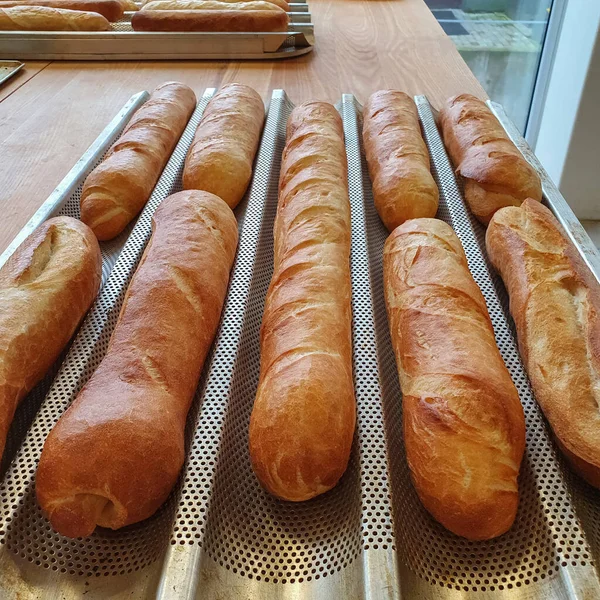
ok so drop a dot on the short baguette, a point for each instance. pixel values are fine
(281, 3)
(303, 419)
(398, 160)
(221, 156)
(555, 303)
(117, 189)
(495, 173)
(210, 20)
(112, 10)
(45, 18)
(114, 456)
(209, 5)
(46, 287)
(464, 427)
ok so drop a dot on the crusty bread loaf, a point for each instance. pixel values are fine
(45, 18)
(112, 10)
(46, 287)
(555, 303)
(129, 5)
(464, 427)
(281, 3)
(210, 20)
(303, 419)
(221, 156)
(114, 456)
(495, 173)
(209, 5)
(117, 189)
(398, 160)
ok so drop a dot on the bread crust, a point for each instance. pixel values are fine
(304, 414)
(555, 304)
(221, 156)
(119, 187)
(464, 427)
(398, 159)
(495, 173)
(116, 453)
(46, 287)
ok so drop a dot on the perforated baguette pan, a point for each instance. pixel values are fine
(220, 536)
(123, 43)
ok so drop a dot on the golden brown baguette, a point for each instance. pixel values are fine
(112, 10)
(398, 160)
(209, 5)
(495, 173)
(210, 20)
(221, 156)
(555, 303)
(303, 419)
(117, 189)
(46, 287)
(281, 3)
(464, 427)
(114, 456)
(45, 18)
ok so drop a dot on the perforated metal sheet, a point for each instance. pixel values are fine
(369, 537)
(22, 526)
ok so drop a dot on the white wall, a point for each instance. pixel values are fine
(569, 133)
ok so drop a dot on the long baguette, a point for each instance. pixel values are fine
(112, 10)
(221, 156)
(303, 419)
(46, 287)
(464, 427)
(114, 456)
(555, 304)
(398, 160)
(117, 189)
(210, 5)
(495, 172)
(45, 18)
(210, 20)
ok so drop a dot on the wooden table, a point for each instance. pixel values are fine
(52, 111)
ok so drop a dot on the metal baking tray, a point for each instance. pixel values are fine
(8, 68)
(220, 535)
(122, 43)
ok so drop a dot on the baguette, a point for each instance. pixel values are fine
(46, 287)
(495, 173)
(210, 20)
(117, 189)
(398, 160)
(555, 304)
(221, 156)
(45, 18)
(112, 10)
(114, 456)
(304, 414)
(129, 5)
(281, 3)
(464, 427)
(209, 5)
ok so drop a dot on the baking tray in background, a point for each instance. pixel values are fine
(220, 535)
(122, 43)
(8, 68)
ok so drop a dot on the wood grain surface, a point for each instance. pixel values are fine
(49, 119)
